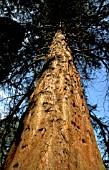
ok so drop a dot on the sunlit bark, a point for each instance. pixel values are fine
(56, 133)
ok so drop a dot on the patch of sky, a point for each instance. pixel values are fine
(98, 92)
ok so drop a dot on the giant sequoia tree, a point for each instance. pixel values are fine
(55, 131)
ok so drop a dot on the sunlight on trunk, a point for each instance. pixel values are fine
(56, 132)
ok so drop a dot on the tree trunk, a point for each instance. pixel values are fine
(56, 132)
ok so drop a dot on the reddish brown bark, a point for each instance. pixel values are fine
(56, 132)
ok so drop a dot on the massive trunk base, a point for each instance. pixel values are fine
(56, 132)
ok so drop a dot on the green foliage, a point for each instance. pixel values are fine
(10, 42)
(7, 133)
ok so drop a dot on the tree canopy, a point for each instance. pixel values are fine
(28, 27)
